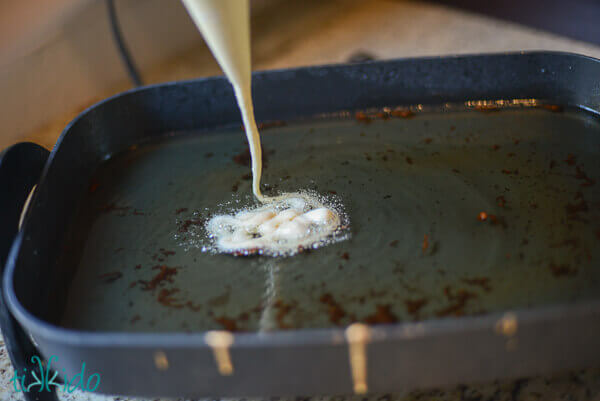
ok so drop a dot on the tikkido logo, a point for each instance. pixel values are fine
(44, 378)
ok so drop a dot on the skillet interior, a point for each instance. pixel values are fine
(532, 170)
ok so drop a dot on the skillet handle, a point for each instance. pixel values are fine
(20, 168)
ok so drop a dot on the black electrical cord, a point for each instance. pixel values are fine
(132, 70)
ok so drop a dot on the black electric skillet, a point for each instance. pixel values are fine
(469, 182)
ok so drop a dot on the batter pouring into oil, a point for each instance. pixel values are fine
(284, 224)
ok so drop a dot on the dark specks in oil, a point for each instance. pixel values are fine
(110, 277)
(94, 185)
(402, 113)
(165, 274)
(553, 108)
(562, 270)
(361, 117)
(227, 323)
(458, 301)
(425, 244)
(413, 306)
(483, 282)
(335, 312)
(166, 298)
(383, 315)
(500, 201)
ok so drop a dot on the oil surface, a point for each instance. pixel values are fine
(452, 213)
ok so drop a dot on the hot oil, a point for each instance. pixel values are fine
(414, 190)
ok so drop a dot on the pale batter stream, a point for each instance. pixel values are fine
(282, 225)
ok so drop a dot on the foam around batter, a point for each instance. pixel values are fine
(282, 226)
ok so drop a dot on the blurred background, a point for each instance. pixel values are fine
(58, 57)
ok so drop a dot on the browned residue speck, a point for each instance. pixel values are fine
(383, 314)
(362, 117)
(165, 298)
(164, 275)
(181, 210)
(402, 113)
(409, 160)
(166, 252)
(497, 220)
(501, 201)
(425, 244)
(112, 207)
(394, 243)
(271, 124)
(135, 319)
(581, 175)
(227, 323)
(185, 226)
(133, 284)
(208, 155)
(413, 306)
(93, 186)
(563, 270)
(459, 301)
(243, 158)
(495, 147)
(282, 310)
(334, 310)
(553, 107)
(570, 160)
(345, 256)
(138, 267)
(219, 300)
(483, 282)
(110, 277)
(195, 308)
(574, 208)
(428, 140)
(508, 172)
(487, 108)
(569, 242)
(252, 252)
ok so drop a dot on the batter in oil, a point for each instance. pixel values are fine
(284, 224)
